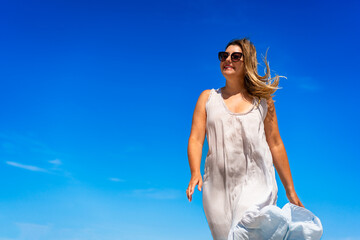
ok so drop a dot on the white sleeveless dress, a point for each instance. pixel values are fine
(239, 185)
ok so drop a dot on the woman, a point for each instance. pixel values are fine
(239, 186)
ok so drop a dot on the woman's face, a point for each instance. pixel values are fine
(230, 68)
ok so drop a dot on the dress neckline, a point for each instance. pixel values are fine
(234, 113)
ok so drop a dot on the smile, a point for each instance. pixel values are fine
(228, 67)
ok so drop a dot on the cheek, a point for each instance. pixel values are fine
(240, 67)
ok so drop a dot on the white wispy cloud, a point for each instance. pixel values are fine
(116, 180)
(56, 162)
(26, 146)
(54, 169)
(33, 231)
(26, 167)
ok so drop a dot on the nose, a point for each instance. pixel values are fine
(228, 59)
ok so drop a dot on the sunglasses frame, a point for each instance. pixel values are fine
(231, 56)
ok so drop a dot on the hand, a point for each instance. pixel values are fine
(294, 199)
(196, 179)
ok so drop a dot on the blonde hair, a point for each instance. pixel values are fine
(256, 85)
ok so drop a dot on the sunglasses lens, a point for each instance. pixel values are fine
(223, 56)
(236, 57)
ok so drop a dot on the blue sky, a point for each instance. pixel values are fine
(97, 99)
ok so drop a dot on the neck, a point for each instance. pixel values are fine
(235, 86)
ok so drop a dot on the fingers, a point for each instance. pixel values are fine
(189, 193)
(298, 203)
(191, 188)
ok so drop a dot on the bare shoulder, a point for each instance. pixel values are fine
(201, 102)
(204, 96)
(198, 128)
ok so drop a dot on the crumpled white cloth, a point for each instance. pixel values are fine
(273, 223)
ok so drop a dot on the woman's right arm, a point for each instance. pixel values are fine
(196, 142)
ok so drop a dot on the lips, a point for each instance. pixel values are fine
(228, 67)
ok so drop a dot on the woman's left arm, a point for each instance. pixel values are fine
(278, 153)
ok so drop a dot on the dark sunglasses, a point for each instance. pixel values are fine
(235, 56)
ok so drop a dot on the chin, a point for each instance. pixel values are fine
(229, 73)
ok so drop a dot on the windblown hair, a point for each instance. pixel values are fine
(256, 85)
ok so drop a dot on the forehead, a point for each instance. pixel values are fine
(233, 48)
